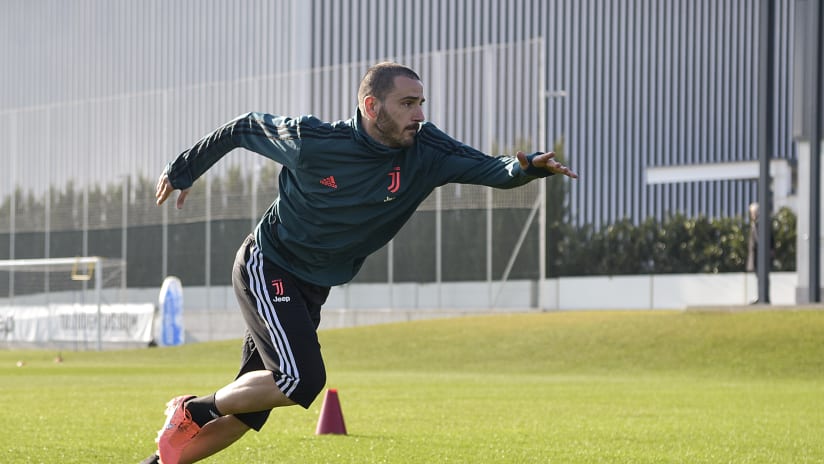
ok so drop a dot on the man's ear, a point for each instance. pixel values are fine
(371, 105)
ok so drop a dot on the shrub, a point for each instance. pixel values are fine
(675, 245)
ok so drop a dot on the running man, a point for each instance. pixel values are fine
(346, 188)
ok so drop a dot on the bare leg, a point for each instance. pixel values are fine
(253, 391)
(213, 437)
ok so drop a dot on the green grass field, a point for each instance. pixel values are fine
(569, 387)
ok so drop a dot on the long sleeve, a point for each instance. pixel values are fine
(275, 137)
(463, 164)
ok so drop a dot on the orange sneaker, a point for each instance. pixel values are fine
(177, 431)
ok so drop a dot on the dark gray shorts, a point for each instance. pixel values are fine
(282, 314)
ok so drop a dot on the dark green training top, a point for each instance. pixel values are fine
(343, 195)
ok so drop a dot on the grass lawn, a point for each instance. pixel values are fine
(568, 387)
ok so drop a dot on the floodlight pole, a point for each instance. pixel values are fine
(765, 144)
(542, 188)
(815, 120)
(542, 141)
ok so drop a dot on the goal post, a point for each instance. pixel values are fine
(69, 303)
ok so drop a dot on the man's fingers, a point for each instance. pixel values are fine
(521, 156)
(164, 189)
(547, 161)
(542, 160)
(162, 194)
(182, 198)
(559, 168)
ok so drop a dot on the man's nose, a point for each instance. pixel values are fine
(419, 116)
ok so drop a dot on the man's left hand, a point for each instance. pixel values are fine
(546, 161)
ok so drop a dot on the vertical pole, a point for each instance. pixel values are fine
(489, 238)
(438, 63)
(817, 125)
(164, 247)
(13, 204)
(124, 236)
(207, 242)
(765, 145)
(164, 242)
(85, 243)
(86, 180)
(439, 242)
(47, 213)
(390, 271)
(253, 214)
(126, 134)
(98, 291)
(490, 97)
(542, 142)
(47, 239)
(207, 252)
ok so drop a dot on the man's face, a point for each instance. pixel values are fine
(400, 114)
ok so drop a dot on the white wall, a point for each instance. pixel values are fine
(670, 291)
(212, 314)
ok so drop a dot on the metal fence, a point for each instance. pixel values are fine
(89, 207)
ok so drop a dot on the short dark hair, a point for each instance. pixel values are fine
(379, 80)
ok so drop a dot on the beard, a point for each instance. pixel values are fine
(391, 133)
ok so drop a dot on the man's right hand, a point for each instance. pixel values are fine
(165, 188)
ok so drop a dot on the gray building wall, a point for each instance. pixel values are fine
(101, 93)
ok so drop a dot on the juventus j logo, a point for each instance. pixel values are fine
(278, 286)
(395, 175)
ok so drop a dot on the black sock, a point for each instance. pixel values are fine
(203, 409)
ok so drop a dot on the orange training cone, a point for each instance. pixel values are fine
(331, 416)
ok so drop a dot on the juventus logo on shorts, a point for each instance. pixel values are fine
(278, 286)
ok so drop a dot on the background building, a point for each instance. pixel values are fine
(96, 96)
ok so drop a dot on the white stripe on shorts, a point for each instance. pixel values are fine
(257, 284)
